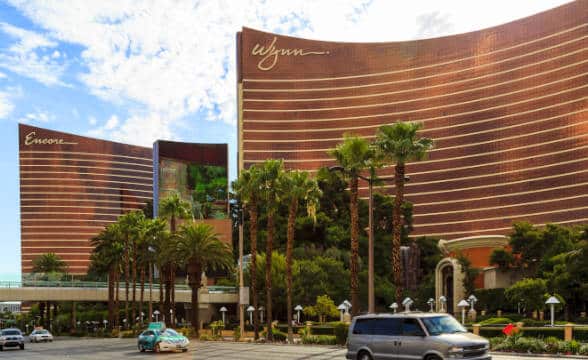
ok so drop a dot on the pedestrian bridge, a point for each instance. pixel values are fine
(98, 291)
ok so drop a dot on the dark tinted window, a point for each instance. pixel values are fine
(363, 326)
(389, 326)
(411, 327)
(10, 332)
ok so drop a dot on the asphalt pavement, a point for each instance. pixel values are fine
(112, 349)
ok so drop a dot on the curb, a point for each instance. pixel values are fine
(559, 356)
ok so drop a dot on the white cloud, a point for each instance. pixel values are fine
(27, 57)
(37, 116)
(167, 59)
(6, 105)
(3, 76)
(111, 123)
(138, 129)
(92, 121)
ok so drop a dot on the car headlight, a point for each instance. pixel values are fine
(456, 352)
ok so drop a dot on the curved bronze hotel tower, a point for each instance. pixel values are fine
(506, 106)
(71, 187)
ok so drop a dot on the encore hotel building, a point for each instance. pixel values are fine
(506, 106)
(71, 187)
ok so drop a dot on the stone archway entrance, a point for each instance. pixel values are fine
(449, 283)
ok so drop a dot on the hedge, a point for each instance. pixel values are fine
(578, 333)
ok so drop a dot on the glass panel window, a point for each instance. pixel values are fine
(387, 327)
(411, 327)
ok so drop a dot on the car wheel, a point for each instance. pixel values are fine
(432, 357)
(1, 348)
(157, 349)
(22, 346)
(141, 348)
(364, 355)
(184, 350)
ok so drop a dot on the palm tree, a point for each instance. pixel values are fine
(105, 258)
(172, 208)
(200, 250)
(271, 175)
(247, 188)
(354, 155)
(152, 236)
(130, 225)
(399, 143)
(48, 263)
(297, 186)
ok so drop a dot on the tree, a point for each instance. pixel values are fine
(354, 155)
(502, 258)
(399, 143)
(271, 175)
(247, 188)
(323, 308)
(199, 250)
(48, 263)
(172, 208)
(105, 259)
(529, 290)
(296, 186)
(130, 225)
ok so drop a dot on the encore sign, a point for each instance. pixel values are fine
(270, 54)
(31, 139)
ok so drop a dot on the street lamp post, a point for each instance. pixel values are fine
(223, 310)
(250, 310)
(261, 312)
(298, 308)
(552, 301)
(431, 303)
(394, 307)
(156, 313)
(463, 304)
(442, 301)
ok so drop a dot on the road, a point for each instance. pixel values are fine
(112, 349)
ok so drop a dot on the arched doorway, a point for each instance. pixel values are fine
(448, 283)
(447, 286)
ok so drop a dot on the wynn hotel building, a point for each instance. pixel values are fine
(506, 107)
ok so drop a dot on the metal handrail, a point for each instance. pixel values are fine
(101, 284)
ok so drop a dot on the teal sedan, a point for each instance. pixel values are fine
(162, 339)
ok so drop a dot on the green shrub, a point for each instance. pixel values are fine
(187, 332)
(322, 330)
(205, 337)
(583, 350)
(236, 333)
(341, 330)
(551, 344)
(494, 341)
(543, 332)
(492, 300)
(526, 344)
(581, 334)
(489, 332)
(278, 335)
(319, 340)
(496, 320)
(127, 334)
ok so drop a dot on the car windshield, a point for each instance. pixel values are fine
(42, 332)
(10, 332)
(437, 325)
(170, 332)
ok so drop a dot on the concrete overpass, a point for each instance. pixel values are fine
(98, 291)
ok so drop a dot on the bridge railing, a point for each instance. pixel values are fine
(214, 289)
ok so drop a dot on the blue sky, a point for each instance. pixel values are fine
(137, 71)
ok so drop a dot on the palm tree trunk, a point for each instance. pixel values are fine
(172, 314)
(161, 282)
(253, 267)
(165, 314)
(353, 261)
(195, 274)
(290, 244)
(116, 294)
(268, 273)
(150, 310)
(142, 294)
(134, 276)
(111, 276)
(127, 278)
(399, 171)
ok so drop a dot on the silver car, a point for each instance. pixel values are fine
(413, 336)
